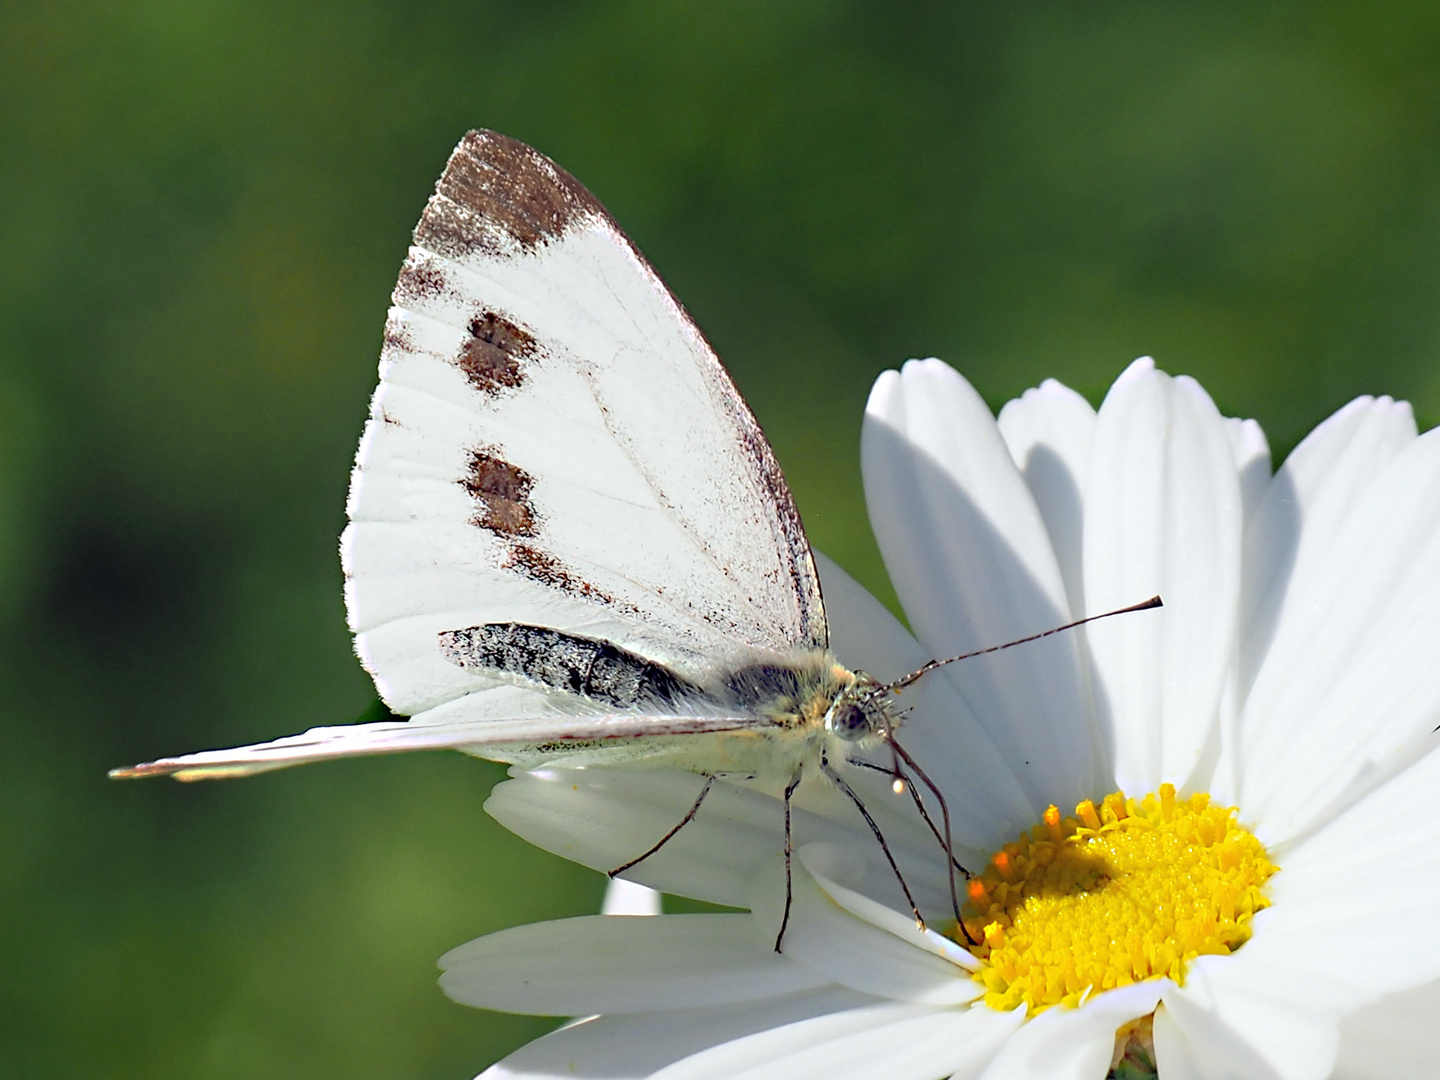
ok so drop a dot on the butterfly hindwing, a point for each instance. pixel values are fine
(493, 729)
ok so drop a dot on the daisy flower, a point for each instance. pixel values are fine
(1204, 841)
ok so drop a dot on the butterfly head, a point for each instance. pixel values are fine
(860, 711)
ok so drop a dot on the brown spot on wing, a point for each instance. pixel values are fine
(495, 189)
(503, 491)
(538, 566)
(501, 198)
(492, 355)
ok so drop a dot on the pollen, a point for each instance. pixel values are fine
(1123, 891)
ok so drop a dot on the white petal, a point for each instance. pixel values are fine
(1074, 1044)
(1348, 694)
(830, 940)
(830, 865)
(987, 804)
(1049, 430)
(1391, 1039)
(1252, 461)
(955, 1043)
(787, 1040)
(1302, 507)
(1203, 1050)
(634, 1047)
(1183, 1060)
(971, 560)
(863, 634)
(1240, 1026)
(1386, 851)
(1162, 515)
(629, 898)
(621, 964)
(603, 818)
(1314, 956)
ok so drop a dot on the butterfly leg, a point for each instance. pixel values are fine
(949, 841)
(839, 782)
(789, 847)
(689, 817)
(941, 838)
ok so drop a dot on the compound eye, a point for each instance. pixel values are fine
(849, 722)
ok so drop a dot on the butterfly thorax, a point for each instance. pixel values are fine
(789, 711)
(830, 712)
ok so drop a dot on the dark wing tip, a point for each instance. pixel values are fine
(496, 188)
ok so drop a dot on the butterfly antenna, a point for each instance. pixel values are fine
(901, 683)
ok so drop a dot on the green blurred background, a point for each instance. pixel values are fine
(203, 204)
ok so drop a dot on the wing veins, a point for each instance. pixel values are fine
(735, 437)
(663, 501)
(663, 504)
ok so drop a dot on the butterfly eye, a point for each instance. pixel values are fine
(849, 721)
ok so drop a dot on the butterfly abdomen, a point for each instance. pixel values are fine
(591, 669)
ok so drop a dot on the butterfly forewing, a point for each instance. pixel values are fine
(553, 443)
(565, 523)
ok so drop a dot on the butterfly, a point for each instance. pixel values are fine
(569, 540)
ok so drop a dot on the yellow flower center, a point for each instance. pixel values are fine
(1126, 891)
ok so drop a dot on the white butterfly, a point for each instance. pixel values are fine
(569, 540)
